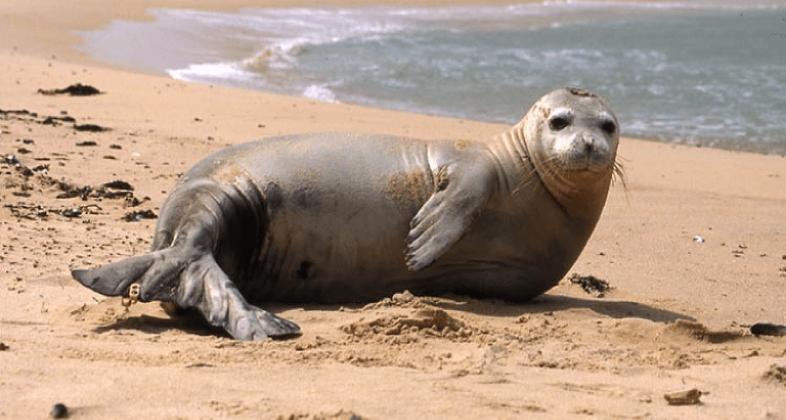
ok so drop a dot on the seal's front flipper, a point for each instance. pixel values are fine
(208, 289)
(459, 196)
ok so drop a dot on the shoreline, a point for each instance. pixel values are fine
(736, 134)
(677, 317)
(49, 28)
(19, 18)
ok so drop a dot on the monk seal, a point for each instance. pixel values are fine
(343, 217)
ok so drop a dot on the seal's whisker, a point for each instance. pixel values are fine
(526, 180)
(551, 171)
(532, 179)
(618, 172)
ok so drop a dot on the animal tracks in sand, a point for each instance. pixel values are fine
(777, 374)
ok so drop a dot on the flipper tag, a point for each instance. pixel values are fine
(133, 295)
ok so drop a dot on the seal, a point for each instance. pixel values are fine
(334, 218)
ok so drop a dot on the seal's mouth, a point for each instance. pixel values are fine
(591, 163)
(583, 150)
(585, 156)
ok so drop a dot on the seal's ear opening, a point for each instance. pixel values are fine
(114, 279)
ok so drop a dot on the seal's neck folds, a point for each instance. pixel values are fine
(514, 166)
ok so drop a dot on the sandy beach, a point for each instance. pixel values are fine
(677, 316)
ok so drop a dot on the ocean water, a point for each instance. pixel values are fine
(710, 73)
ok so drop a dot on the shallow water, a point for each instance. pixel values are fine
(703, 72)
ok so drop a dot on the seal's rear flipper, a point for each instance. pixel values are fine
(190, 280)
(207, 288)
(114, 279)
(158, 274)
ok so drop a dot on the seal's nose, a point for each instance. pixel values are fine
(588, 141)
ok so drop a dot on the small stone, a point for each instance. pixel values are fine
(689, 397)
(59, 411)
(71, 213)
(77, 89)
(93, 128)
(591, 284)
(138, 215)
(10, 160)
(118, 184)
(764, 328)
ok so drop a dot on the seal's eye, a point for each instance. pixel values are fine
(559, 122)
(609, 127)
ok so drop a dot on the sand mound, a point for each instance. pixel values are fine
(425, 322)
(404, 299)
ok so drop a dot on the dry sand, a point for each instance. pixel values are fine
(677, 317)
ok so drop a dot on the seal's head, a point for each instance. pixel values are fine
(571, 137)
